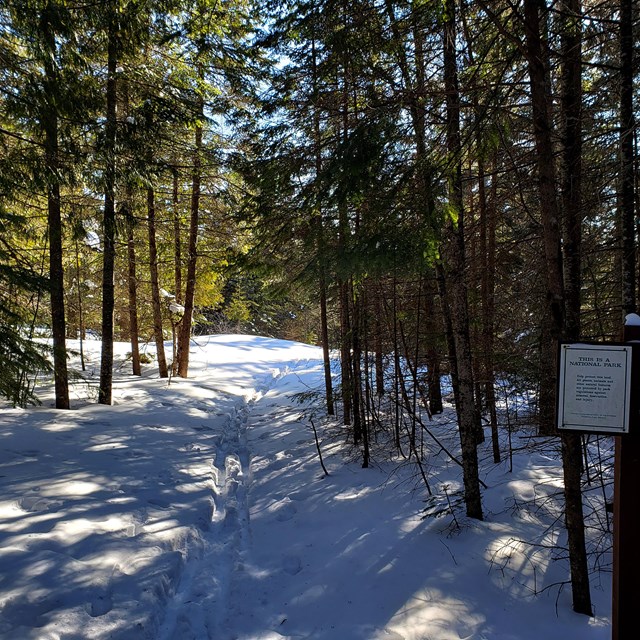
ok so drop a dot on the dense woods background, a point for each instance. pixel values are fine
(424, 188)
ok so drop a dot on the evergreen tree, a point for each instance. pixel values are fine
(21, 358)
(46, 75)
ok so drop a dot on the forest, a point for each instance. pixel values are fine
(428, 190)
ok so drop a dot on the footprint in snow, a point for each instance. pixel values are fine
(127, 453)
(159, 501)
(99, 605)
(33, 504)
(292, 565)
(29, 610)
(279, 463)
(29, 453)
(202, 427)
(284, 510)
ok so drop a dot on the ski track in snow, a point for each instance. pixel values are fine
(199, 609)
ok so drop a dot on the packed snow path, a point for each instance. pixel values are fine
(131, 521)
(196, 509)
(197, 610)
(201, 607)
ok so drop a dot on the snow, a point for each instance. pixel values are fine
(632, 319)
(197, 509)
(92, 240)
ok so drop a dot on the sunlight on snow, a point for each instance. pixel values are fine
(14, 521)
(515, 562)
(536, 482)
(72, 531)
(116, 522)
(434, 610)
(108, 446)
(70, 487)
(354, 494)
(131, 565)
(61, 426)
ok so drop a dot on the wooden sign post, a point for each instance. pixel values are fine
(599, 392)
(626, 506)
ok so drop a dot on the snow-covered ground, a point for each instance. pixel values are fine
(197, 509)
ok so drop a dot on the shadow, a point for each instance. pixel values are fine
(105, 510)
(100, 507)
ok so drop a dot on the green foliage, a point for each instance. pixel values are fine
(21, 358)
(323, 158)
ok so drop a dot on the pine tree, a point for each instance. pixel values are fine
(47, 80)
(21, 358)
(454, 273)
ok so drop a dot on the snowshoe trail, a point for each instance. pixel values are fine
(199, 609)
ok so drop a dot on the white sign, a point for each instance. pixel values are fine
(594, 390)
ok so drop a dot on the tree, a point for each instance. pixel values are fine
(132, 280)
(184, 337)
(550, 213)
(454, 273)
(52, 164)
(626, 199)
(572, 258)
(215, 43)
(21, 358)
(109, 215)
(554, 319)
(47, 86)
(158, 331)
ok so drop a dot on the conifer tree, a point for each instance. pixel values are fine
(21, 358)
(627, 181)
(215, 42)
(454, 273)
(109, 215)
(47, 81)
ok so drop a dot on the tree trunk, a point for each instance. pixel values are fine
(555, 316)
(126, 210)
(487, 295)
(454, 271)
(361, 428)
(626, 197)
(109, 220)
(417, 92)
(550, 214)
(378, 358)
(54, 221)
(81, 329)
(572, 255)
(488, 319)
(326, 357)
(133, 296)
(158, 331)
(397, 369)
(324, 329)
(56, 271)
(433, 354)
(571, 103)
(177, 271)
(177, 242)
(184, 338)
(574, 521)
(345, 353)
